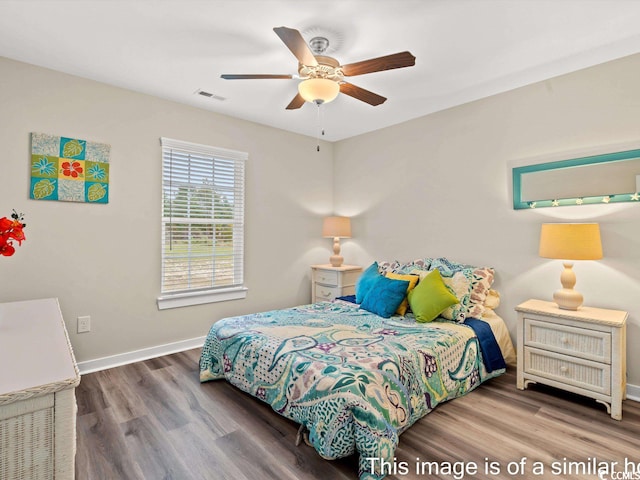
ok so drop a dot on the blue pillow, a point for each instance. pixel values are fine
(385, 296)
(363, 285)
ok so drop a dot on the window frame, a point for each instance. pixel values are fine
(199, 295)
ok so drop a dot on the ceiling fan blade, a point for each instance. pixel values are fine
(292, 38)
(253, 77)
(361, 94)
(297, 102)
(388, 62)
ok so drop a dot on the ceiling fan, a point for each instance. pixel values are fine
(322, 76)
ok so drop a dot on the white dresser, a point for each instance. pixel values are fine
(582, 351)
(38, 376)
(329, 282)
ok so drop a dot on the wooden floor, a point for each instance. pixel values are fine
(154, 420)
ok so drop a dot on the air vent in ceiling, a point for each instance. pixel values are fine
(209, 95)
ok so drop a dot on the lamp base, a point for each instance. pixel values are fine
(336, 260)
(568, 298)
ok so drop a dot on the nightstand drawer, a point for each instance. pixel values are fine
(327, 278)
(328, 282)
(580, 342)
(327, 293)
(567, 370)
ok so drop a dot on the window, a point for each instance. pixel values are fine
(202, 224)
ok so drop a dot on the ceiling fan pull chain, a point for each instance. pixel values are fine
(319, 129)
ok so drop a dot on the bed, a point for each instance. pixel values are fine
(353, 379)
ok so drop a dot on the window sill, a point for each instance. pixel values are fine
(198, 298)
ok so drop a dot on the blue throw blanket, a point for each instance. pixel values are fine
(491, 353)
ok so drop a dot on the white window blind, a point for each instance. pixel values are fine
(202, 218)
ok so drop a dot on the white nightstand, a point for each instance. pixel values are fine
(582, 351)
(328, 282)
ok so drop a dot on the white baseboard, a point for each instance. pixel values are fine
(633, 392)
(104, 363)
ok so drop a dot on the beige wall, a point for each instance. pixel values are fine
(440, 186)
(437, 185)
(104, 260)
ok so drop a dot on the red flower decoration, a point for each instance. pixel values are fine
(11, 229)
(71, 169)
(6, 248)
(5, 224)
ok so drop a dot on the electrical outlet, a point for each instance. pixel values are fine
(84, 324)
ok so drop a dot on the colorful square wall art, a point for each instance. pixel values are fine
(69, 169)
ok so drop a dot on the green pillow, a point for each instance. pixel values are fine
(430, 297)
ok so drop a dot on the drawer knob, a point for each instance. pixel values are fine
(564, 340)
(564, 369)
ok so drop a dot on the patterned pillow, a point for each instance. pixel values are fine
(385, 267)
(470, 284)
(395, 266)
(443, 263)
(418, 264)
(460, 284)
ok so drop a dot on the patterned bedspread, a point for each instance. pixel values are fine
(353, 379)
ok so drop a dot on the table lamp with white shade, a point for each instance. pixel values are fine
(336, 228)
(570, 241)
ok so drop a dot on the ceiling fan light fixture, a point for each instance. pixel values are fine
(318, 90)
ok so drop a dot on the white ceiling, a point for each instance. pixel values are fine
(465, 49)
